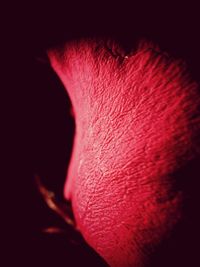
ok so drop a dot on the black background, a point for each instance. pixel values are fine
(36, 110)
